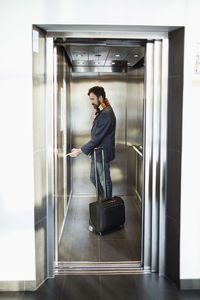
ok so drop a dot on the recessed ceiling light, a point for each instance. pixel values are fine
(117, 55)
(135, 55)
(113, 63)
(128, 63)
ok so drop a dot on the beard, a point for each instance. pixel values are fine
(95, 106)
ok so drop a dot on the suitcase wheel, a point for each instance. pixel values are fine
(91, 229)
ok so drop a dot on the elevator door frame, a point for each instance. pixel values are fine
(154, 183)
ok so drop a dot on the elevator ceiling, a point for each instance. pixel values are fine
(103, 55)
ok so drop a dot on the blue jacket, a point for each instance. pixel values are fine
(103, 134)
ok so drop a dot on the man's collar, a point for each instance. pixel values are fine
(104, 104)
(101, 107)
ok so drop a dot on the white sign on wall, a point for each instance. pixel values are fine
(197, 59)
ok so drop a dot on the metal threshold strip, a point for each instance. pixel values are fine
(99, 268)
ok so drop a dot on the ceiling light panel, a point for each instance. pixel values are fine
(135, 55)
(97, 56)
(79, 53)
(118, 53)
(98, 53)
(96, 63)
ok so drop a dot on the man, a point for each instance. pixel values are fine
(102, 134)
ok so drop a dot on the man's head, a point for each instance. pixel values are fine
(97, 95)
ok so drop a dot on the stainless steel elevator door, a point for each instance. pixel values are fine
(125, 91)
(160, 165)
(155, 143)
(62, 165)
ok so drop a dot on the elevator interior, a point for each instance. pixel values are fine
(118, 66)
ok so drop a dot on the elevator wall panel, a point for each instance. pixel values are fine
(135, 99)
(62, 140)
(39, 127)
(82, 114)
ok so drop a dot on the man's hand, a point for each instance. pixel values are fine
(75, 152)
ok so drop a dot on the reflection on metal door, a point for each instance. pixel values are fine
(61, 142)
(154, 193)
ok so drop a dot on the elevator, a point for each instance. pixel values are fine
(118, 67)
(133, 70)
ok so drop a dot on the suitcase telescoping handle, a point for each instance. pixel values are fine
(103, 166)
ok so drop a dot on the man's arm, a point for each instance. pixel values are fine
(101, 131)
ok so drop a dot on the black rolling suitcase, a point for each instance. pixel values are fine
(107, 214)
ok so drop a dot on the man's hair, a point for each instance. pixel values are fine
(98, 91)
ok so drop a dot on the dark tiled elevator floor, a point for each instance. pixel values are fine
(78, 244)
(106, 287)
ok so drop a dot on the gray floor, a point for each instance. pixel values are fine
(78, 244)
(107, 287)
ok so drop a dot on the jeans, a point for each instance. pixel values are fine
(100, 179)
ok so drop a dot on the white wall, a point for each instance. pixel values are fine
(16, 151)
(190, 198)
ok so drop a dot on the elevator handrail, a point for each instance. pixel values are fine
(137, 150)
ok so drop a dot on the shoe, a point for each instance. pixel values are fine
(91, 228)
